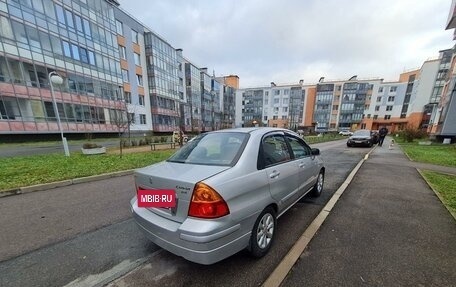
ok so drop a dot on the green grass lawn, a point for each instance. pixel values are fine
(325, 138)
(435, 154)
(445, 185)
(29, 170)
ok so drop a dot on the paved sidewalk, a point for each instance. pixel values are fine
(387, 229)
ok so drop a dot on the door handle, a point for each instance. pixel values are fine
(274, 174)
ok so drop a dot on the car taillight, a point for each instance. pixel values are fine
(207, 203)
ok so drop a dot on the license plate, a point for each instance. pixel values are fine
(358, 141)
(163, 198)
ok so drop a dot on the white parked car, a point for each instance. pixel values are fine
(345, 133)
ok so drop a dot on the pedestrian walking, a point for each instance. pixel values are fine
(382, 134)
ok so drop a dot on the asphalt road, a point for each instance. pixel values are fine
(51, 238)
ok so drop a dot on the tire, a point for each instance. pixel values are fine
(260, 242)
(349, 145)
(318, 187)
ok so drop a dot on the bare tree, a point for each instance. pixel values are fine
(122, 119)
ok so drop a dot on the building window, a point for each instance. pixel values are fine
(60, 14)
(69, 18)
(122, 52)
(368, 116)
(285, 109)
(335, 107)
(284, 117)
(66, 49)
(75, 51)
(119, 27)
(380, 89)
(276, 92)
(139, 80)
(377, 108)
(391, 99)
(127, 97)
(285, 100)
(131, 118)
(286, 92)
(137, 59)
(387, 117)
(393, 89)
(379, 99)
(142, 119)
(265, 118)
(141, 100)
(84, 55)
(134, 36)
(92, 58)
(389, 108)
(375, 117)
(125, 75)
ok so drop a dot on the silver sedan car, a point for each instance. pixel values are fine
(230, 187)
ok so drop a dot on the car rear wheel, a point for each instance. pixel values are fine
(318, 187)
(263, 233)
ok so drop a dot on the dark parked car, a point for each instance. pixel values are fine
(375, 136)
(361, 138)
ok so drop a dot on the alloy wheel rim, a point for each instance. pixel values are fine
(265, 231)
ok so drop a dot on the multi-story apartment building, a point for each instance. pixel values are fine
(76, 39)
(275, 106)
(385, 107)
(194, 92)
(115, 71)
(443, 122)
(228, 100)
(340, 105)
(132, 54)
(166, 97)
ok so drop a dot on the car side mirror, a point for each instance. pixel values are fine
(315, 151)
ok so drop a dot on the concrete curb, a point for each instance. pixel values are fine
(279, 274)
(436, 192)
(46, 186)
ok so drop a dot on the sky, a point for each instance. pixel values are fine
(265, 41)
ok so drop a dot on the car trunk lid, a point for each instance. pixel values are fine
(176, 176)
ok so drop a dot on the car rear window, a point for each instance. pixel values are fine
(212, 149)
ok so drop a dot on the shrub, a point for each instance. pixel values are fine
(134, 143)
(410, 133)
(142, 142)
(163, 139)
(90, 145)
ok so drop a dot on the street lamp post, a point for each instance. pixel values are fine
(56, 79)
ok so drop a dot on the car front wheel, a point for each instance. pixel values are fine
(263, 233)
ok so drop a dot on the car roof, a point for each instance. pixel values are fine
(251, 130)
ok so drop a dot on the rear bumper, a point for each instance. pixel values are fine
(200, 241)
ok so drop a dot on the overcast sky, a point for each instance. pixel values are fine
(265, 41)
